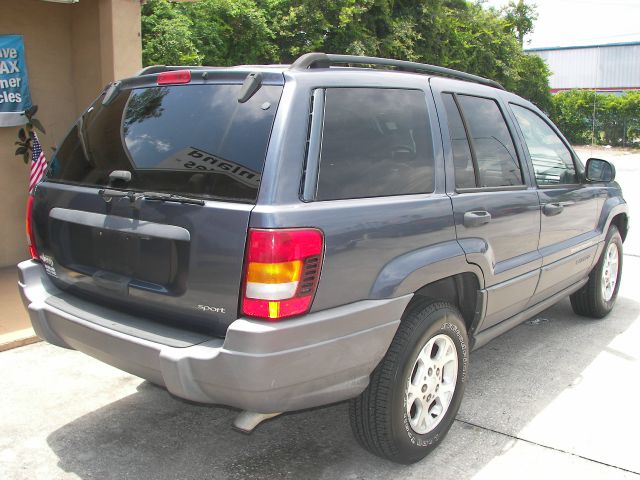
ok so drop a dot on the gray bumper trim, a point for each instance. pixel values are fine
(264, 367)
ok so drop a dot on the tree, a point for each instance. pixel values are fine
(521, 17)
(231, 32)
(212, 32)
(531, 81)
(452, 33)
(337, 26)
(167, 36)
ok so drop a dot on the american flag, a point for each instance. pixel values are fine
(38, 163)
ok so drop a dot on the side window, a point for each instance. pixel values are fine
(491, 142)
(462, 159)
(552, 160)
(375, 142)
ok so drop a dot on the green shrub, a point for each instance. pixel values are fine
(585, 116)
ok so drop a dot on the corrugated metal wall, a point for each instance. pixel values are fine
(606, 67)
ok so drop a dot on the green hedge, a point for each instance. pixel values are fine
(617, 118)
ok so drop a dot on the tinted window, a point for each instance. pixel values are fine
(375, 142)
(491, 142)
(194, 139)
(462, 160)
(552, 160)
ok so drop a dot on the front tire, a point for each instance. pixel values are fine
(597, 298)
(415, 392)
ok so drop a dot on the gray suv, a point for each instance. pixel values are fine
(275, 238)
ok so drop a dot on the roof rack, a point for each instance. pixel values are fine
(325, 60)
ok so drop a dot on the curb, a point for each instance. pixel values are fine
(20, 341)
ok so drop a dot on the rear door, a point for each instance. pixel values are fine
(569, 205)
(495, 206)
(169, 261)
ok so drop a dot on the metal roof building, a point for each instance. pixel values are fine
(613, 67)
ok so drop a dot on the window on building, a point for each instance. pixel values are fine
(552, 160)
(375, 142)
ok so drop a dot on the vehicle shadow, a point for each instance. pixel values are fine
(150, 434)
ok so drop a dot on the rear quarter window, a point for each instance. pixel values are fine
(491, 142)
(375, 142)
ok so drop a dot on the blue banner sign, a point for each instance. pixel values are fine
(14, 83)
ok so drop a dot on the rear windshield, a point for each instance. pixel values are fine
(188, 139)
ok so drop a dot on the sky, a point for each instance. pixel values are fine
(564, 23)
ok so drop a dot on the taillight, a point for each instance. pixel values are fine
(282, 270)
(174, 77)
(30, 238)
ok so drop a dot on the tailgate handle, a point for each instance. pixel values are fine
(121, 224)
(476, 218)
(111, 281)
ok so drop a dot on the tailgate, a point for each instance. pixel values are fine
(176, 263)
(168, 261)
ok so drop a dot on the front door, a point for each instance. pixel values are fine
(569, 205)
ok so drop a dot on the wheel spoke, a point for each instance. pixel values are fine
(445, 392)
(413, 391)
(450, 355)
(423, 419)
(425, 353)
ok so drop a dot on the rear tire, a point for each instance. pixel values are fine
(415, 392)
(597, 298)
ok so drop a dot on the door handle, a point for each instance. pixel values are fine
(476, 218)
(551, 209)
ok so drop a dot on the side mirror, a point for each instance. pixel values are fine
(598, 170)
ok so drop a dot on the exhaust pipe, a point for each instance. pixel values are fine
(246, 422)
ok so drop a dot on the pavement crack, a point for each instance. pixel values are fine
(515, 437)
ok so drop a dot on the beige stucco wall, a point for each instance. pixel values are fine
(119, 25)
(72, 51)
(86, 70)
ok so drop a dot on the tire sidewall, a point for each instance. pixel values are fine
(446, 321)
(604, 306)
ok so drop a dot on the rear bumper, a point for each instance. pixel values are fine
(263, 367)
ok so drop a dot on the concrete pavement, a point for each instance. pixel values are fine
(555, 397)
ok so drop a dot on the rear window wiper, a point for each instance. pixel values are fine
(171, 197)
(109, 193)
